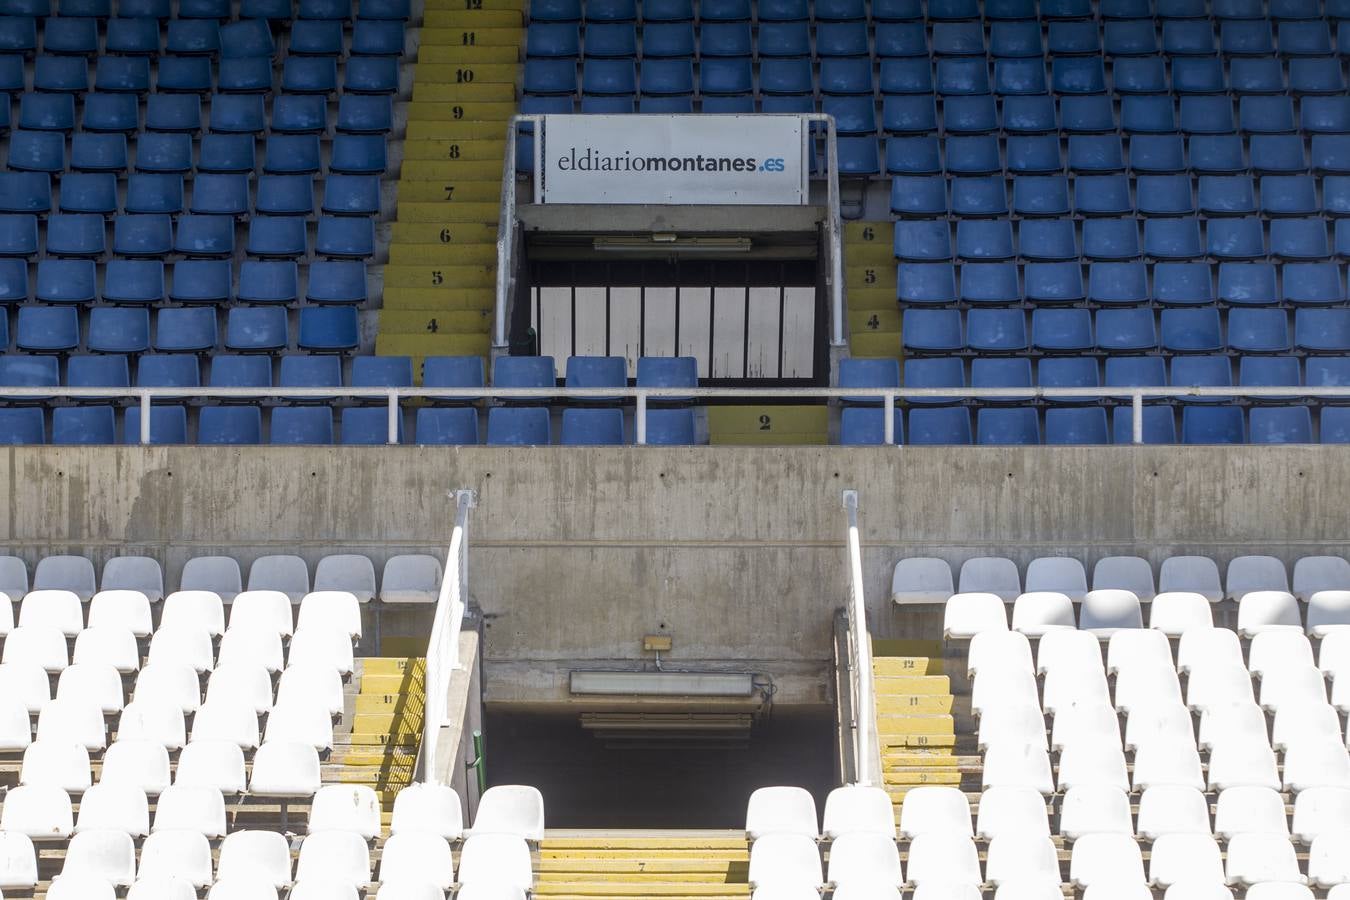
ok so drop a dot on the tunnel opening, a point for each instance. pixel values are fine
(595, 776)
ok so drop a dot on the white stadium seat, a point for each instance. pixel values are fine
(301, 722)
(995, 686)
(248, 684)
(410, 889)
(65, 573)
(990, 575)
(1316, 763)
(1328, 863)
(203, 610)
(1242, 764)
(1027, 890)
(263, 610)
(114, 807)
(73, 720)
(177, 854)
(1195, 574)
(143, 765)
(1340, 693)
(921, 579)
(281, 572)
(26, 682)
(16, 730)
(284, 770)
(183, 808)
(331, 609)
(252, 646)
(999, 648)
(134, 573)
(64, 764)
(1137, 647)
(182, 645)
(943, 858)
(1109, 611)
(1320, 573)
(500, 860)
(318, 887)
(929, 890)
(1011, 811)
(81, 887)
(1161, 762)
(322, 645)
(172, 684)
(217, 574)
(218, 765)
(1180, 857)
(264, 856)
(858, 808)
(1166, 723)
(13, 576)
(1295, 721)
(1254, 858)
(52, 609)
(1250, 809)
(1026, 858)
(1267, 611)
(1015, 723)
(1255, 573)
(1279, 890)
(1208, 647)
(1105, 859)
(1328, 611)
(417, 856)
(156, 720)
(1319, 810)
(1036, 613)
(411, 578)
(1069, 685)
(6, 614)
(98, 683)
(1292, 685)
(512, 809)
(346, 807)
(864, 859)
(18, 861)
(111, 645)
(435, 808)
(1218, 685)
(771, 810)
(122, 609)
(1097, 765)
(1278, 649)
(241, 887)
(1176, 612)
(1230, 723)
(165, 888)
(967, 615)
(489, 891)
(1067, 648)
(1140, 688)
(1120, 891)
(40, 811)
(932, 809)
(1094, 809)
(1093, 723)
(349, 572)
(230, 719)
(1126, 573)
(1057, 574)
(1172, 809)
(109, 855)
(1011, 765)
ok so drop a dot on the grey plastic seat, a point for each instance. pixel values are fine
(217, 574)
(66, 573)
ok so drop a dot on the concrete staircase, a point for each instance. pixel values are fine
(628, 865)
(869, 273)
(439, 284)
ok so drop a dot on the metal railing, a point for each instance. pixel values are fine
(642, 396)
(443, 648)
(860, 655)
(506, 227)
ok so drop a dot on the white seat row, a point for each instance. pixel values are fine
(792, 810)
(929, 580)
(408, 578)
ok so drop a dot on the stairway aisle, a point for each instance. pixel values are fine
(869, 274)
(439, 284)
(628, 865)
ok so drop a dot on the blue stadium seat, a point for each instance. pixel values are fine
(345, 237)
(945, 372)
(173, 113)
(336, 281)
(1068, 372)
(609, 77)
(1141, 75)
(61, 74)
(18, 235)
(1085, 114)
(990, 283)
(673, 427)
(133, 281)
(1193, 330)
(1304, 39)
(1257, 75)
(1129, 38)
(960, 76)
(316, 37)
(518, 426)
(154, 194)
(926, 284)
(995, 372)
(185, 329)
(367, 425)
(853, 115)
(22, 425)
(83, 425)
(984, 239)
(237, 113)
(1226, 195)
(167, 370)
(309, 371)
(18, 34)
(973, 155)
(727, 39)
(201, 281)
(37, 151)
(1114, 283)
(13, 289)
(926, 240)
(782, 11)
(110, 113)
(243, 76)
(550, 39)
(734, 76)
(308, 75)
(1040, 195)
(976, 115)
(915, 114)
(932, 330)
(617, 105)
(291, 154)
(184, 74)
(590, 427)
(1202, 371)
(1212, 425)
(667, 372)
(1328, 371)
(868, 373)
(1055, 282)
(66, 281)
(1017, 425)
(98, 152)
(1047, 239)
(119, 329)
(220, 195)
(1182, 284)
(940, 425)
(858, 156)
(1276, 154)
(377, 38)
(957, 39)
(230, 425)
(204, 236)
(358, 154)
(1091, 154)
(1164, 195)
(294, 425)
(793, 105)
(47, 329)
(1135, 371)
(861, 426)
(187, 37)
(985, 196)
(299, 114)
(1331, 153)
(1235, 238)
(256, 329)
(1103, 195)
(1247, 285)
(996, 330)
(596, 372)
(97, 371)
(452, 371)
(1172, 238)
(382, 371)
(1110, 239)
(1077, 75)
(1299, 239)
(905, 75)
(1061, 330)
(919, 196)
(1131, 330)
(227, 153)
(1159, 425)
(29, 372)
(1082, 425)
(550, 76)
(1269, 371)
(1158, 153)
(230, 370)
(446, 426)
(168, 425)
(1312, 284)
(556, 11)
(281, 237)
(368, 75)
(328, 328)
(675, 40)
(524, 372)
(268, 282)
(1281, 425)
(1324, 115)
(626, 11)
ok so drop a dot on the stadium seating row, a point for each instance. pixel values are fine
(186, 36)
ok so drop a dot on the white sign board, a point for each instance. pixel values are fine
(707, 159)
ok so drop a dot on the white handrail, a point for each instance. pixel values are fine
(860, 654)
(443, 648)
(1135, 395)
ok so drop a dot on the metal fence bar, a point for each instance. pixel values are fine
(864, 709)
(1137, 418)
(395, 417)
(443, 647)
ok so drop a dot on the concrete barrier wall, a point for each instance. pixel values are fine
(736, 552)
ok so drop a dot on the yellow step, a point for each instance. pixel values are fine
(859, 231)
(914, 725)
(485, 146)
(472, 19)
(642, 889)
(465, 73)
(941, 758)
(374, 683)
(633, 872)
(663, 855)
(396, 727)
(428, 201)
(411, 703)
(913, 705)
(457, 53)
(469, 93)
(865, 253)
(883, 666)
(874, 344)
(384, 739)
(880, 321)
(912, 778)
(443, 344)
(403, 299)
(906, 647)
(868, 276)
(495, 112)
(910, 741)
(394, 665)
(861, 297)
(438, 276)
(915, 684)
(767, 424)
(438, 254)
(372, 757)
(455, 234)
(415, 170)
(434, 322)
(643, 866)
(487, 36)
(448, 129)
(643, 842)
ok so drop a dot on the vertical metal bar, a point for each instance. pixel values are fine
(392, 437)
(865, 714)
(782, 327)
(888, 428)
(506, 223)
(1137, 418)
(145, 418)
(834, 234)
(640, 419)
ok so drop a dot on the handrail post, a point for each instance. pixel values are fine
(640, 419)
(888, 427)
(392, 437)
(834, 233)
(1137, 418)
(145, 417)
(506, 228)
(864, 711)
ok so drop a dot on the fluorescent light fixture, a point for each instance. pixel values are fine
(665, 242)
(664, 684)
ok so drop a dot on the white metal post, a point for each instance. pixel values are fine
(1137, 418)
(864, 713)
(888, 432)
(640, 419)
(394, 415)
(145, 418)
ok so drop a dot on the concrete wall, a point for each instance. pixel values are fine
(734, 551)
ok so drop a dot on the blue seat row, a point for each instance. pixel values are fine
(189, 329)
(340, 10)
(1107, 239)
(1089, 425)
(506, 426)
(1130, 330)
(134, 75)
(189, 37)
